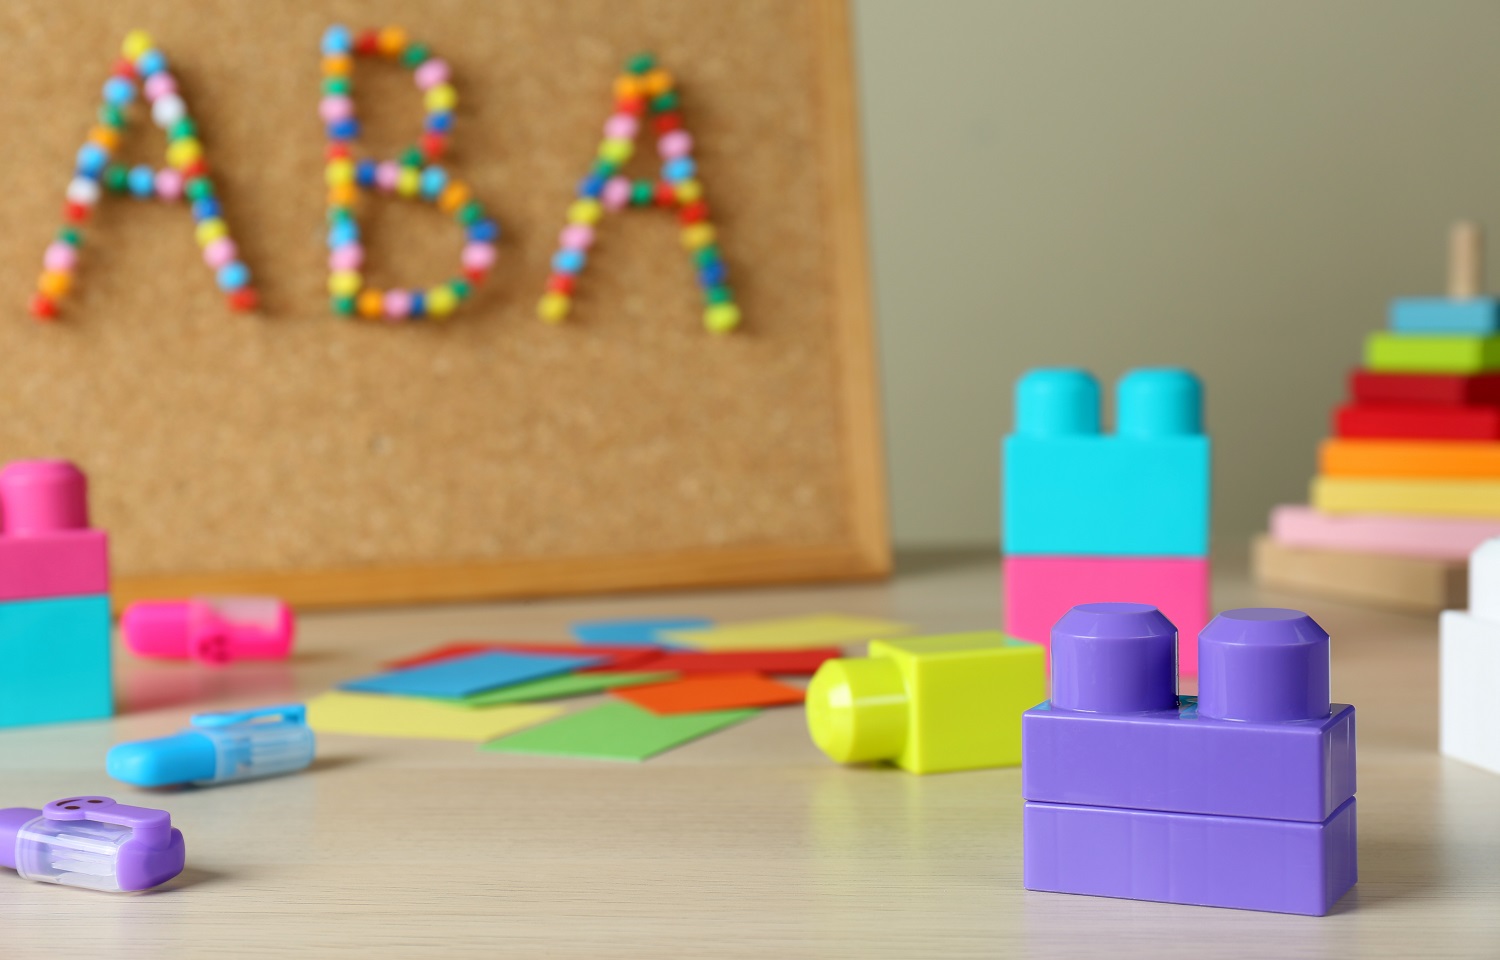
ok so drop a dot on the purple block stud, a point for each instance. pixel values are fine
(1263, 664)
(1114, 658)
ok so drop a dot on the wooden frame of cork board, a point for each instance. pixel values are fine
(343, 463)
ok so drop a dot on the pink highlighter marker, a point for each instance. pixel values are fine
(212, 630)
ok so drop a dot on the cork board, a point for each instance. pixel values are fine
(335, 462)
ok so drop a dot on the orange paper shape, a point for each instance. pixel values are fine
(724, 691)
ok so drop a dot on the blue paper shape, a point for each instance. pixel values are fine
(634, 633)
(466, 676)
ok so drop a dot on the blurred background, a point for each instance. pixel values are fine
(1236, 188)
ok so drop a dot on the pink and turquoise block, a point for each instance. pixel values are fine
(1094, 516)
(55, 656)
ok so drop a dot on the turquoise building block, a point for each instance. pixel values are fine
(55, 660)
(1479, 316)
(1070, 489)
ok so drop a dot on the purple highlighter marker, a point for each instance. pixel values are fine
(92, 842)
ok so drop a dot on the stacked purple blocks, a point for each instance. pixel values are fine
(1241, 797)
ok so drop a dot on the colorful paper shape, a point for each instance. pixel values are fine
(613, 633)
(788, 633)
(615, 731)
(556, 688)
(466, 676)
(729, 691)
(614, 658)
(374, 715)
(799, 662)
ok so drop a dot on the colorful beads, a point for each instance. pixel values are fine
(95, 173)
(644, 90)
(414, 177)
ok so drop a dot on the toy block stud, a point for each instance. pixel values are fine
(1114, 658)
(928, 704)
(1057, 403)
(42, 496)
(1263, 664)
(1158, 403)
(1242, 797)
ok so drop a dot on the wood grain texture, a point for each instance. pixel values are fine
(748, 844)
(1388, 581)
(493, 455)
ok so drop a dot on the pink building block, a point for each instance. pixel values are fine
(46, 546)
(1436, 537)
(69, 563)
(1039, 590)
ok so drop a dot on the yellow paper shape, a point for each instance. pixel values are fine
(374, 715)
(788, 633)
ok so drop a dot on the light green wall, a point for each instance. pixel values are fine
(1238, 187)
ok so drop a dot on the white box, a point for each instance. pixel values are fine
(1469, 679)
(1484, 580)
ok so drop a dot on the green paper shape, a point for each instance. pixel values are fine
(615, 731)
(555, 688)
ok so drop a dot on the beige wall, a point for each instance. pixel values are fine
(1238, 187)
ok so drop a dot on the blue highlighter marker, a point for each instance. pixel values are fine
(219, 748)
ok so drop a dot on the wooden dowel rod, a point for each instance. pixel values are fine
(1465, 260)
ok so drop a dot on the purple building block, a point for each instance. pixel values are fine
(1277, 865)
(1116, 734)
(1179, 760)
(1240, 798)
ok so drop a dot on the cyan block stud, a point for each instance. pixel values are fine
(1114, 658)
(1263, 664)
(1057, 403)
(1164, 402)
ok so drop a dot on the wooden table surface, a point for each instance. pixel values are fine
(748, 843)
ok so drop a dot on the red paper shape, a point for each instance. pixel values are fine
(720, 691)
(803, 662)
